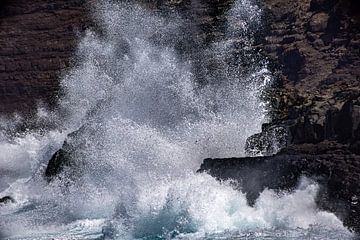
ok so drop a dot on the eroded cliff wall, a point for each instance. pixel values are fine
(315, 48)
(37, 41)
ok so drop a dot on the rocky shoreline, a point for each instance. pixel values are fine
(318, 92)
(313, 47)
(335, 171)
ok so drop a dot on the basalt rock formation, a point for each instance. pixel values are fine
(6, 200)
(314, 48)
(334, 168)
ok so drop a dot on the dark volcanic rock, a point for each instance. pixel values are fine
(256, 174)
(6, 199)
(66, 156)
(316, 48)
(334, 171)
(57, 163)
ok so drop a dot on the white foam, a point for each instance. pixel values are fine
(148, 125)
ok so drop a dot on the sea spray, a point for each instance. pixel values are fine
(144, 123)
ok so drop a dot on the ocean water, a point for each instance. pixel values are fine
(146, 123)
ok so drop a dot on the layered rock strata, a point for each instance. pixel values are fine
(37, 40)
(314, 47)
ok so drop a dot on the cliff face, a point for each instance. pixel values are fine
(37, 40)
(315, 46)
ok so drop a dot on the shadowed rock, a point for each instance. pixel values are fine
(37, 39)
(65, 156)
(339, 187)
(57, 163)
(6, 199)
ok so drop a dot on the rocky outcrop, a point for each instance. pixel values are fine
(338, 125)
(65, 157)
(337, 170)
(314, 50)
(57, 163)
(6, 200)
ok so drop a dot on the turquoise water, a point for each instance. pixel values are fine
(146, 124)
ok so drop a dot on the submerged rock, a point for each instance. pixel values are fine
(64, 157)
(6, 200)
(58, 161)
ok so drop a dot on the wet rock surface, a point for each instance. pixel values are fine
(314, 47)
(6, 200)
(65, 158)
(334, 170)
(57, 163)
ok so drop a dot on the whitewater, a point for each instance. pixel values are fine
(140, 123)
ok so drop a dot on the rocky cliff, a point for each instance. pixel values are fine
(37, 41)
(314, 49)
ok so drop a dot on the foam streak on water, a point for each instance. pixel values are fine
(146, 124)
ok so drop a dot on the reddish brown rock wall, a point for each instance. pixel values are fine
(37, 40)
(316, 47)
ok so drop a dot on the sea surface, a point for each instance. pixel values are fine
(141, 124)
